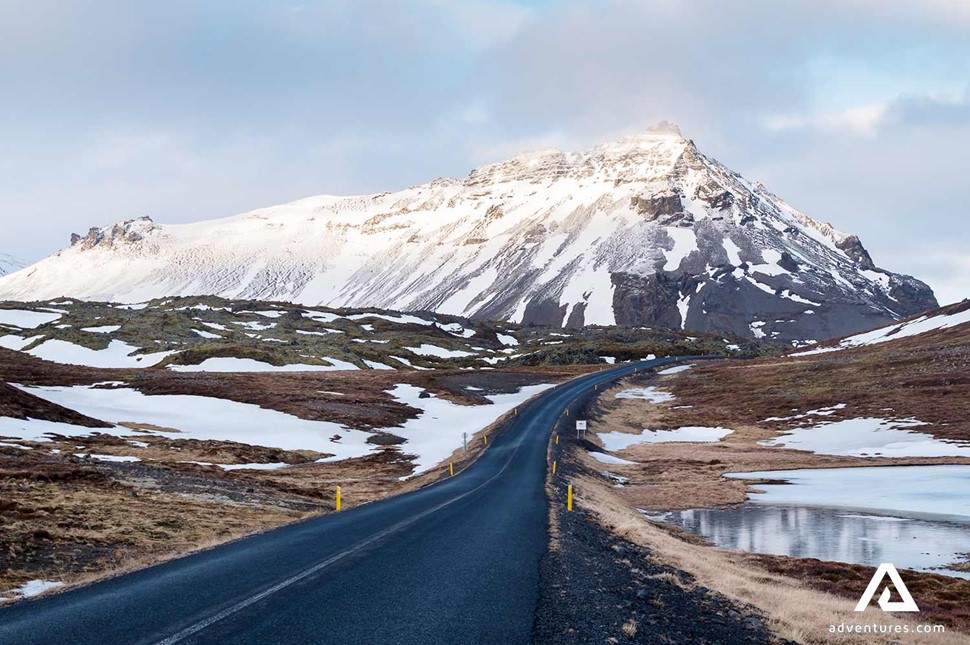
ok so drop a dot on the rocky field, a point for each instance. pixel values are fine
(213, 334)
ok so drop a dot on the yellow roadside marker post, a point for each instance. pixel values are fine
(451, 469)
(338, 498)
(516, 412)
(567, 412)
(553, 468)
(486, 439)
(569, 498)
(557, 440)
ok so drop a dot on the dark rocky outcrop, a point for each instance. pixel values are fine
(649, 301)
(577, 316)
(544, 313)
(654, 207)
(131, 231)
(854, 249)
(912, 296)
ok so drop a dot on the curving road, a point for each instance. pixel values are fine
(456, 562)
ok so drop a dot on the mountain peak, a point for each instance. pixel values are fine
(665, 128)
(660, 133)
(640, 231)
(652, 152)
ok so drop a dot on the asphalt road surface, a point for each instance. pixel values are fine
(455, 562)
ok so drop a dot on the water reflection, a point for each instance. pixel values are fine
(831, 534)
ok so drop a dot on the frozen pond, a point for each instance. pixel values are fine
(830, 534)
(931, 491)
(917, 517)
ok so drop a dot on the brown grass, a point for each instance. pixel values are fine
(361, 399)
(76, 520)
(68, 523)
(793, 610)
(673, 476)
(926, 377)
(630, 628)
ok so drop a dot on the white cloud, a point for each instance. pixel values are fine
(850, 109)
(859, 120)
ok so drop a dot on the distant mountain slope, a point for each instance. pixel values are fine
(9, 264)
(644, 231)
(954, 317)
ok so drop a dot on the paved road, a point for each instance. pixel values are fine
(456, 562)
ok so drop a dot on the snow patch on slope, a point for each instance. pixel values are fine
(870, 437)
(649, 393)
(249, 365)
(117, 354)
(188, 417)
(431, 437)
(614, 441)
(26, 319)
(921, 325)
(437, 432)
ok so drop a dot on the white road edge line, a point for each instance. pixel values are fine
(229, 611)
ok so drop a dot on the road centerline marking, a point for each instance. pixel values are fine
(201, 625)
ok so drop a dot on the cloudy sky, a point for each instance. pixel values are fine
(855, 111)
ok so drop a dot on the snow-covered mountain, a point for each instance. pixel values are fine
(10, 264)
(645, 230)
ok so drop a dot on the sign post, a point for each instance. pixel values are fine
(581, 429)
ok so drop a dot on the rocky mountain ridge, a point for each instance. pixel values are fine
(10, 264)
(642, 231)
